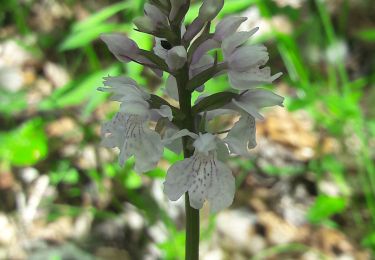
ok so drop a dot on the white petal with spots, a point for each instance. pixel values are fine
(132, 136)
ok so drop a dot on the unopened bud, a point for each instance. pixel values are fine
(176, 57)
(144, 24)
(210, 9)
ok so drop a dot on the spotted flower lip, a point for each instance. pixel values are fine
(203, 176)
(130, 133)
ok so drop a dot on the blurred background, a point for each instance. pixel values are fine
(306, 192)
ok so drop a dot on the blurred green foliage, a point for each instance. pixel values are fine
(25, 145)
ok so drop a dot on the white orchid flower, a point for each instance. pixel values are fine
(224, 29)
(245, 61)
(242, 136)
(203, 176)
(128, 130)
(130, 133)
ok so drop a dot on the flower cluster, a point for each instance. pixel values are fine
(185, 53)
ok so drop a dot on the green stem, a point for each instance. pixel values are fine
(192, 215)
(192, 231)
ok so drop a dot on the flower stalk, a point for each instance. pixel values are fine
(192, 215)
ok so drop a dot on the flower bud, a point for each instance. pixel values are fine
(176, 8)
(176, 57)
(144, 24)
(156, 16)
(121, 46)
(210, 9)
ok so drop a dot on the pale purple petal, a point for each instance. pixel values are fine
(245, 57)
(227, 27)
(236, 40)
(251, 78)
(193, 29)
(222, 187)
(121, 46)
(179, 179)
(156, 15)
(206, 46)
(253, 100)
(242, 136)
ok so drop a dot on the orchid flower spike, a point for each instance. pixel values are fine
(146, 123)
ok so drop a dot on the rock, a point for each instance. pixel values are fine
(49, 15)
(66, 128)
(215, 254)
(294, 130)
(13, 55)
(8, 231)
(57, 231)
(56, 74)
(82, 224)
(332, 242)
(11, 78)
(29, 174)
(236, 233)
(329, 188)
(43, 86)
(293, 211)
(277, 230)
(88, 156)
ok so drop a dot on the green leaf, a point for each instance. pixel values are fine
(369, 240)
(64, 173)
(214, 101)
(282, 171)
(80, 39)
(25, 145)
(367, 35)
(99, 17)
(324, 207)
(132, 180)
